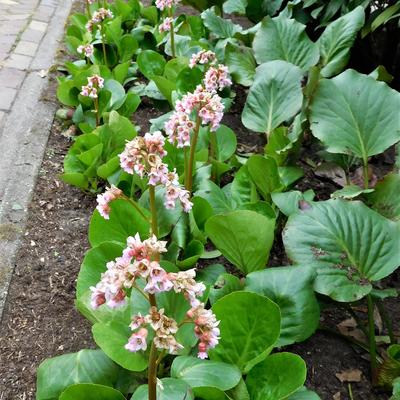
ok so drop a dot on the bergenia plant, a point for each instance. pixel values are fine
(140, 261)
(203, 107)
(168, 24)
(91, 90)
(97, 22)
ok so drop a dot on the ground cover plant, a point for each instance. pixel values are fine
(181, 195)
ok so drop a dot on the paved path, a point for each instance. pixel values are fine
(30, 31)
(23, 24)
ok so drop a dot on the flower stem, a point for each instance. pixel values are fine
(172, 34)
(103, 44)
(371, 337)
(152, 372)
(193, 144)
(153, 209)
(96, 108)
(89, 14)
(185, 152)
(365, 173)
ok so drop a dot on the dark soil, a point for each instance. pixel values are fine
(40, 319)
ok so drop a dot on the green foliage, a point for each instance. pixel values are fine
(234, 235)
(87, 366)
(248, 339)
(348, 244)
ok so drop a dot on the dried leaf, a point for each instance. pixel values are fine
(378, 320)
(350, 375)
(333, 172)
(337, 396)
(43, 73)
(348, 327)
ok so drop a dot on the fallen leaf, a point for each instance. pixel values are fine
(350, 375)
(333, 172)
(348, 327)
(337, 396)
(357, 178)
(378, 320)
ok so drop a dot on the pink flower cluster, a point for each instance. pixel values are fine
(143, 156)
(208, 107)
(163, 4)
(166, 25)
(87, 50)
(136, 262)
(205, 102)
(98, 17)
(95, 83)
(139, 261)
(203, 57)
(104, 200)
(164, 328)
(217, 78)
(206, 329)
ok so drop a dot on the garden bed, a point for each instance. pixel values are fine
(40, 320)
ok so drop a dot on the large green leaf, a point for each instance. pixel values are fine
(277, 377)
(151, 63)
(354, 114)
(235, 235)
(337, 39)
(282, 38)
(112, 338)
(249, 327)
(385, 199)
(220, 27)
(86, 366)
(87, 391)
(292, 289)
(241, 63)
(274, 97)
(172, 389)
(349, 244)
(257, 9)
(264, 173)
(203, 373)
(125, 220)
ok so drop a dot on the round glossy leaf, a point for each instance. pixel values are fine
(203, 373)
(117, 93)
(292, 289)
(355, 114)
(349, 244)
(337, 39)
(256, 9)
(112, 338)
(277, 377)
(188, 79)
(282, 38)
(151, 63)
(125, 220)
(225, 284)
(172, 389)
(274, 97)
(249, 326)
(236, 236)
(86, 366)
(86, 391)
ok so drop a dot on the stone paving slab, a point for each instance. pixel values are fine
(27, 45)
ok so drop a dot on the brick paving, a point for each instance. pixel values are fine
(23, 24)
